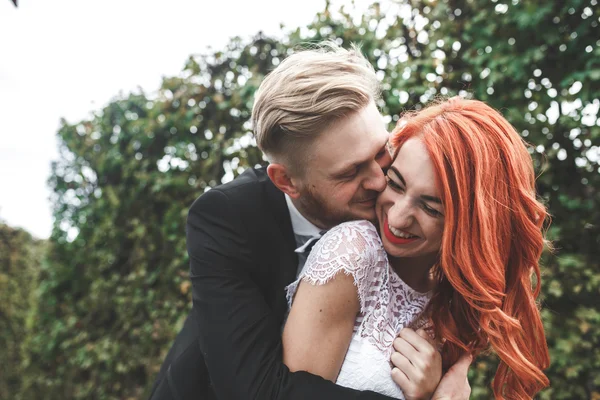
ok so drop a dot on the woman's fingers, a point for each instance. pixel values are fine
(401, 362)
(420, 340)
(423, 333)
(405, 348)
(400, 378)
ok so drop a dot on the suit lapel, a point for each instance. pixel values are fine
(284, 257)
(281, 214)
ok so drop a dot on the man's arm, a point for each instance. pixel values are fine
(239, 336)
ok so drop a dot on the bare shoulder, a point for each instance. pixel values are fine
(336, 298)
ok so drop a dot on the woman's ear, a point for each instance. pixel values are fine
(279, 175)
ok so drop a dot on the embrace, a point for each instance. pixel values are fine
(361, 264)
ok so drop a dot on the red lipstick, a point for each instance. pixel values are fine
(395, 239)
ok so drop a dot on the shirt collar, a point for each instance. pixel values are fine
(300, 225)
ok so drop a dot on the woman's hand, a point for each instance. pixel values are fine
(417, 365)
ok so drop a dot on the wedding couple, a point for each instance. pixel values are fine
(423, 246)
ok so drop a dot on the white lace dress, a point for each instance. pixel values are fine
(387, 304)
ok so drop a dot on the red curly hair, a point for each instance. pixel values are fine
(492, 242)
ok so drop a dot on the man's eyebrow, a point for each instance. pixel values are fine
(345, 169)
(357, 164)
(350, 166)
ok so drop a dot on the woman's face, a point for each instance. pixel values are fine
(409, 210)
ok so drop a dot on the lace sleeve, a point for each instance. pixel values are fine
(352, 248)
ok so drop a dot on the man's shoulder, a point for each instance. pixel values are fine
(250, 179)
(248, 187)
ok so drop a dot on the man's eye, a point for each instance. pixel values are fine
(350, 174)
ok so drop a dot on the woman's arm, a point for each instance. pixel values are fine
(319, 327)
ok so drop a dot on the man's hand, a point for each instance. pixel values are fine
(454, 384)
(417, 364)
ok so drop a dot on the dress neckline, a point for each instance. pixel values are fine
(393, 273)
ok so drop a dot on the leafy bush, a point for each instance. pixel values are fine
(20, 259)
(115, 291)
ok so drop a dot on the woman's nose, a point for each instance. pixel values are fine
(401, 214)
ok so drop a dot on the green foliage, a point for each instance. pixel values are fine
(118, 290)
(20, 259)
(114, 291)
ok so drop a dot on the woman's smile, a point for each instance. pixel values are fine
(397, 236)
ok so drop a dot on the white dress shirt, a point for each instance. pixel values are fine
(305, 232)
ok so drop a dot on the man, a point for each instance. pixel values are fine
(315, 118)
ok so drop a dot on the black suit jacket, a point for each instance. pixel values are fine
(241, 247)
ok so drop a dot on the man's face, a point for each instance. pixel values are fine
(345, 172)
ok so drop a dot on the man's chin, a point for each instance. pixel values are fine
(367, 204)
(368, 214)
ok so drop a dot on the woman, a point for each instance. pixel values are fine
(460, 235)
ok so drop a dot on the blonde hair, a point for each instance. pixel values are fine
(305, 94)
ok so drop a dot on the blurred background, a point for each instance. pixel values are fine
(116, 115)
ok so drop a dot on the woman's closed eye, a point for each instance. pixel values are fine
(393, 184)
(400, 188)
(432, 211)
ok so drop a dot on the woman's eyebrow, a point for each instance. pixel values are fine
(398, 174)
(425, 197)
(431, 199)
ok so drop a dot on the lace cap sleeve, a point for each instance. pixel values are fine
(352, 248)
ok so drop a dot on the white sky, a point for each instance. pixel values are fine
(65, 58)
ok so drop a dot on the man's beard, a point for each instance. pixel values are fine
(320, 212)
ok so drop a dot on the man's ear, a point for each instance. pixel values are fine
(281, 178)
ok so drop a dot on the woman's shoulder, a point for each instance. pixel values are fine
(360, 234)
(358, 225)
(351, 248)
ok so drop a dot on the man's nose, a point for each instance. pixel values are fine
(385, 161)
(375, 179)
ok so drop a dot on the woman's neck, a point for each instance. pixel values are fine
(415, 272)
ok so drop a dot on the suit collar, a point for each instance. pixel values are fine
(280, 210)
